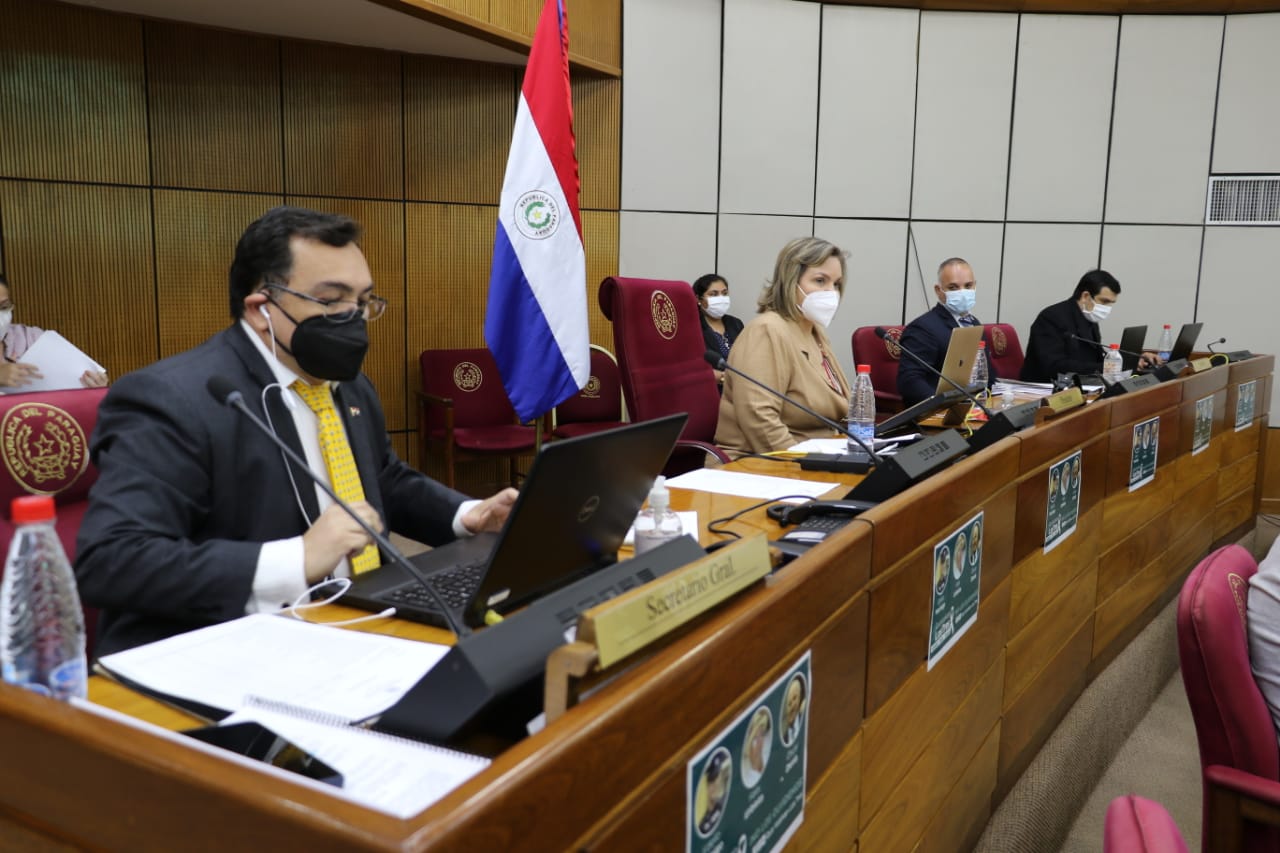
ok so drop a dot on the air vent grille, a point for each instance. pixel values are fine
(1251, 200)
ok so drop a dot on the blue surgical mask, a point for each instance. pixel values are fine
(961, 301)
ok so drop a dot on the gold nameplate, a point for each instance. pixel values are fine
(1064, 400)
(630, 622)
(1199, 364)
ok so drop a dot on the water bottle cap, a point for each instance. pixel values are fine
(1115, 346)
(1167, 326)
(29, 508)
(982, 344)
(864, 368)
(659, 497)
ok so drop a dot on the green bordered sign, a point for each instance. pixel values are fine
(1142, 458)
(957, 580)
(1063, 509)
(745, 791)
(1246, 397)
(1203, 429)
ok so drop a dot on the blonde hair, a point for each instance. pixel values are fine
(779, 295)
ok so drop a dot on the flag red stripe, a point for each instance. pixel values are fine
(546, 91)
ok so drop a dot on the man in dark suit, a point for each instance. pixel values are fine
(1055, 346)
(929, 335)
(196, 517)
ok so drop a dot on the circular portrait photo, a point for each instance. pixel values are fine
(756, 748)
(713, 792)
(975, 543)
(1066, 480)
(941, 566)
(1150, 436)
(794, 701)
(1055, 481)
(1075, 472)
(962, 548)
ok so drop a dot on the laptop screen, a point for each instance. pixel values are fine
(958, 363)
(1186, 341)
(1132, 340)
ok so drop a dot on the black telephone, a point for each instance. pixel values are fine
(787, 514)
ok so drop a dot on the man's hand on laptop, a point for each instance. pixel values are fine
(336, 535)
(1149, 359)
(491, 513)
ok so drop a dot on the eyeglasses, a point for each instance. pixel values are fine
(340, 310)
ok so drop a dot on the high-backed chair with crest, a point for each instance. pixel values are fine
(1004, 349)
(45, 445)
(598, 406)
(658, 338)
(882, 356)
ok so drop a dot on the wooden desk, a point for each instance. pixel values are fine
(899, 755)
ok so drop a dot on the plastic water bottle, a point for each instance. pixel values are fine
(862, 410)
(979, 374)
(656, 523)
(1166, 342)
(1006, 399)
(1112, 363)
(41, 623)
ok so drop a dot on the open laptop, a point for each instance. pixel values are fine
(1132, 340)
(957, 365)
(577, 503)
(1186, 341)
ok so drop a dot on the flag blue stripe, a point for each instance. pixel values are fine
(533, 368)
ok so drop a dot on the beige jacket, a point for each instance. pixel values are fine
(787, 356)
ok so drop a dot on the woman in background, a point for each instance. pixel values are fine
(786, 347)
(17, 339)
(719, 328)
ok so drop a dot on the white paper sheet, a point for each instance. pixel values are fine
(346, 674)
(756, 486)
(60, 363)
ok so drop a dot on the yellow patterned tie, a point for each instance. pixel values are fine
(344, 477)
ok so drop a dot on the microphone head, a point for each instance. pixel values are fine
(881, 333)
(222, 390)
(713, 358)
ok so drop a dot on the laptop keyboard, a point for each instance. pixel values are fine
(456, 587)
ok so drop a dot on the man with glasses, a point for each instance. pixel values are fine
(197, 517)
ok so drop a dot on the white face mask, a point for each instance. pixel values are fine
(820, 306)
(717, 306)
(961, 301)
(1098, 313)
(6, 319)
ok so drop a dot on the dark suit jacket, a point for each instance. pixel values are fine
(928, 336)
(1049, 349)
(732, 328)
(188, 490)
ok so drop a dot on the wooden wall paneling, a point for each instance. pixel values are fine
(1236, 477)
(1141, 405)
(1031, 649)
(899, 627)
(831, 810)
(214, 100)
(1053, 439)
(77, 254)
(1038, 579)
(1033, 495)
(597, 124)
(896, 733)
(963, 815)
(72, 94)
(1117, 565)
(595, 30)
(196, 235)
(343, 121)
(448, 253)
(600, 242)
(459, 117)
(1271, 472)
(521, 17)
(1124, 510)
(1241, 443)
(382, 241)
(1233, 518)
(924, 787)
(904, 521)
(1193, 468)
(1028, 722)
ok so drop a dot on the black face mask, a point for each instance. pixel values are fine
(328, 350)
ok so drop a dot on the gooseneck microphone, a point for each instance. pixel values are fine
(225, 393)
(1209, 346)
(1103, 346)
(882, 334)
(717, 361)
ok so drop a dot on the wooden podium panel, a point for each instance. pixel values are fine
(900, 757)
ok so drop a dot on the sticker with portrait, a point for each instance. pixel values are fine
(1246, 397)
(957, 582)
(1202, 430)
(1063, 508)
(745, 790)
(1143, 455)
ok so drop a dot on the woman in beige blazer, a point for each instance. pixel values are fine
(786, 347)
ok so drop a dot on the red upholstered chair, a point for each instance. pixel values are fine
(598, 406)
(45, 446)
(658, 338)
(1138, 825)
(883, 357)
(1239, 755)
(464, 408)
(1004, 349)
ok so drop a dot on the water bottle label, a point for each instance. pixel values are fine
(1164, 354)
(22, 678)
(69, 679)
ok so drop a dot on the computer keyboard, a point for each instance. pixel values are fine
(455, 587)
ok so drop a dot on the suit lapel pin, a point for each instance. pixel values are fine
(354, 411)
